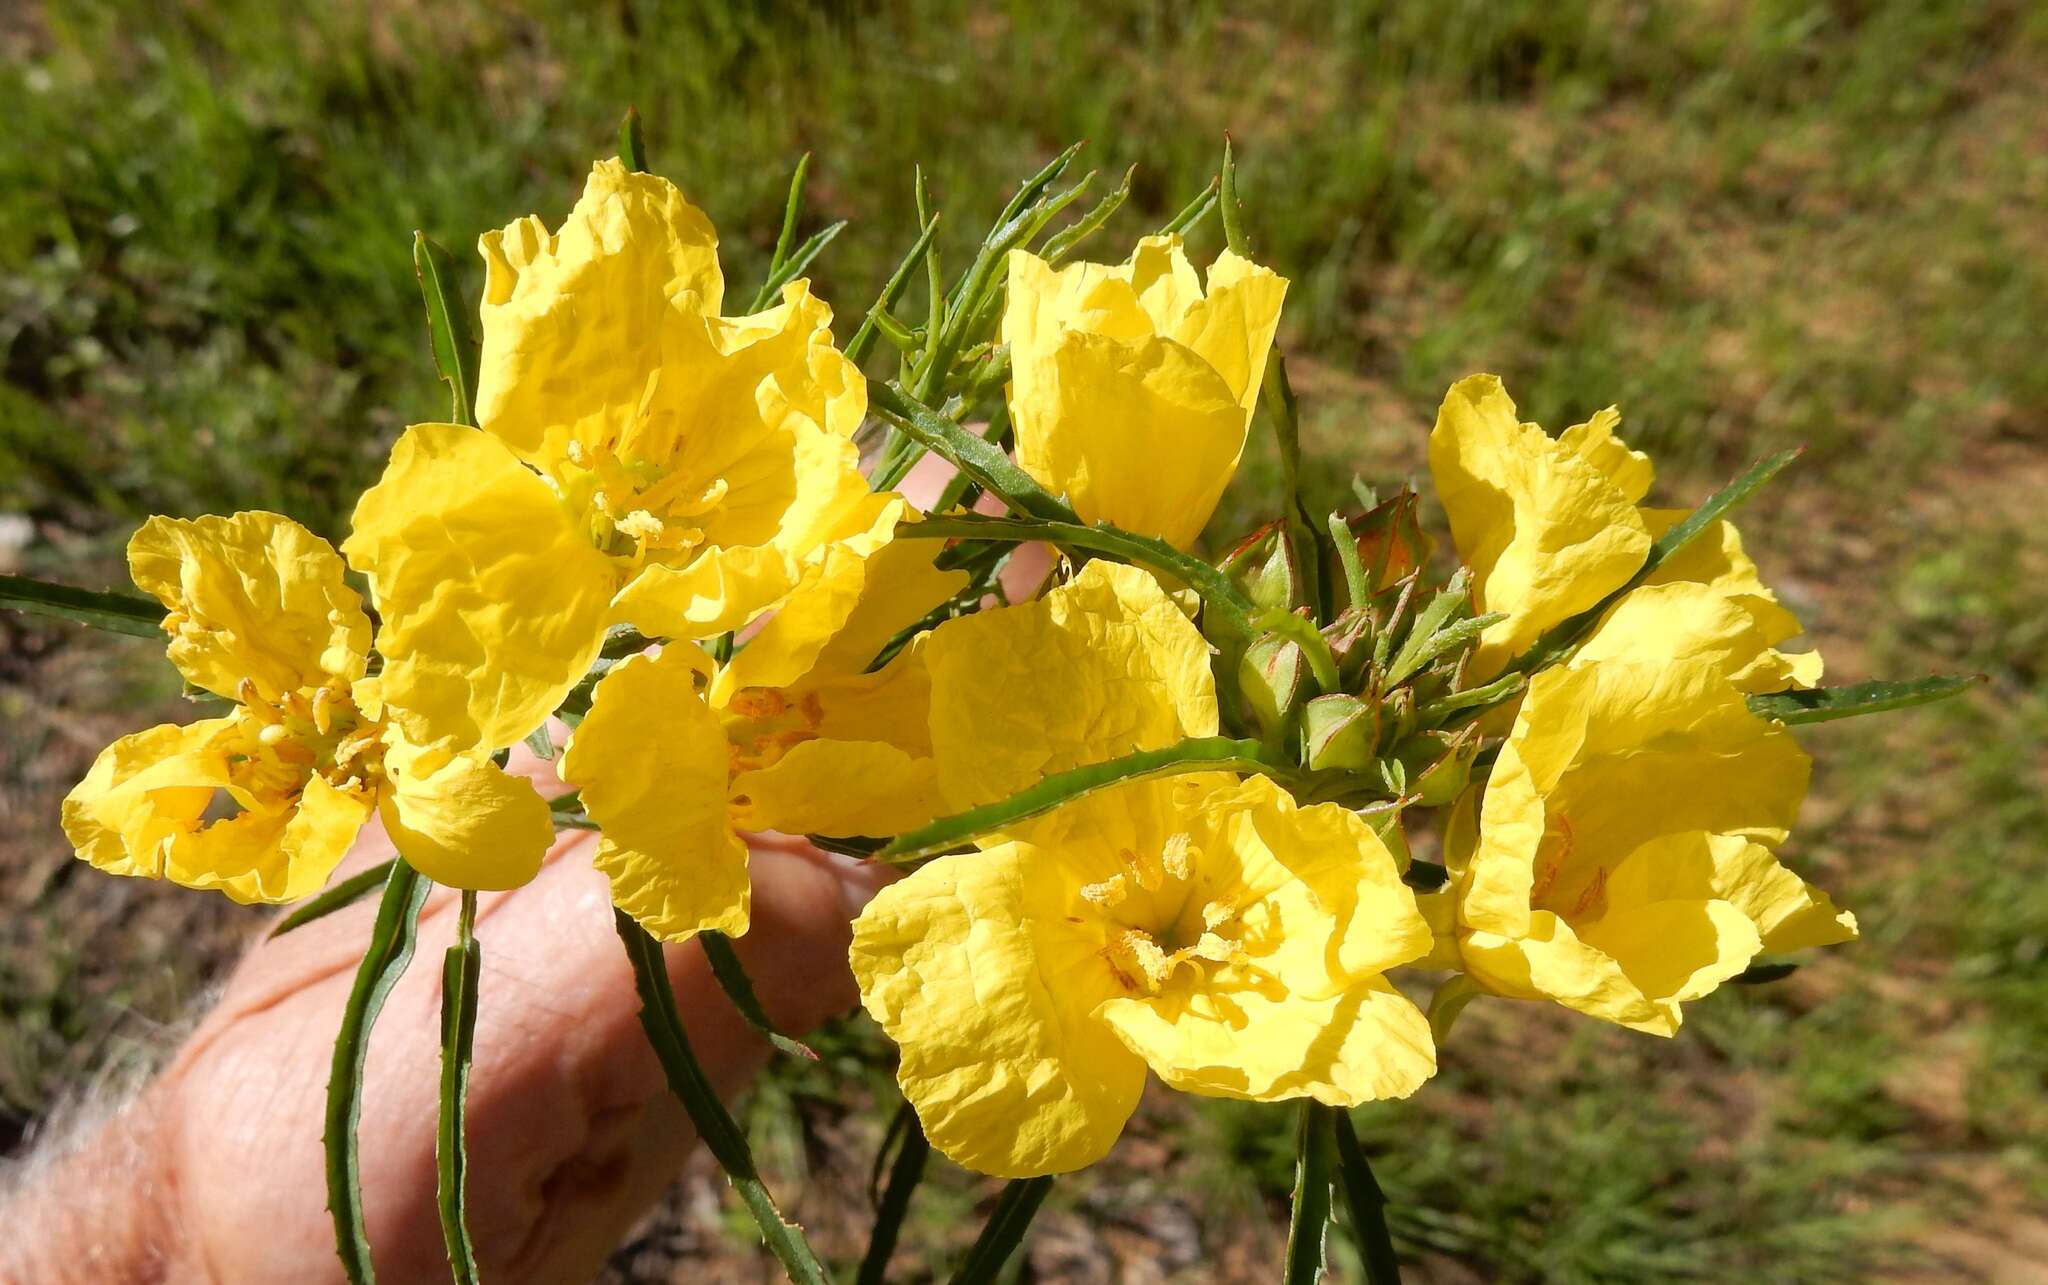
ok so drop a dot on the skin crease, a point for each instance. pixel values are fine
(215, 1172)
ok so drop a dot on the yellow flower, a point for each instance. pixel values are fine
(1551, 526)
(1132, 387)
(1625, 854)
(643, 460)
(677, 754)
(1097, 668)
(1205, 927)
(263, 802)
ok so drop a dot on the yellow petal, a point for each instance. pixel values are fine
(493, 603)
(1097, 668)
(651, 762)
(1675, 951)
(1546, 532)
(1715, 561)
(574, 321)
(463, 821)
(1790, 913)
(1131, 389)
(839, 787)
(970, 968)
(1595, 442)
(1549, 962)
(253, 596)
(1235, 1038)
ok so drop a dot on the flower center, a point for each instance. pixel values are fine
(1552, 855)
(283, 744)
(639, 507)
(762, 724)
(1147, 954)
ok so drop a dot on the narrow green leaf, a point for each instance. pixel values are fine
(912, 1152)
(1029, 192)
(455, 353)
(1063, 242)
(346, 893)
(118, 613)
(1356, 585)
(632, 145)
(863, 341)
(1444, 641)
(460, 970)
(567, 801)
(798, 263)
(1416, 648)
(1367, 1206)
(1498, 690)
(934, 272)
(1825, 704)
(1764, 974)
(1203, 754)
(1231, 610)
(986, 464)
(1310, 1221)
(390, 949)
(686, 1079)
(1233, 209)
(791, 208)
(1004, 1231)
(1558, 642)
(541, 743)
(1193, 212)
(732, 978)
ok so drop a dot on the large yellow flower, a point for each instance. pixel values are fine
(795, 734)
(1205, 927)
(1132, 386)
(1624, 861)
(643, 459)
(1551, 526)
(263, 802)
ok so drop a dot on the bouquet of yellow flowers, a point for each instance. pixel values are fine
(1154, 814)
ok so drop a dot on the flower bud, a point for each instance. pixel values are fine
(1339, 732)
(1274, 676)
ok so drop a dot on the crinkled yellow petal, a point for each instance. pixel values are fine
(1605, 758)
(1131, 389)
(574, 322)
(841, 788)
(461, 820)
(1790, 913)
(971, 968)
(652, 764)
(1097, 668)
(1715, 559)
(838, 620)
(1595, 442)
(1240, 1037)
(1674, 951)
(1690, 621)
(1549, 962)
(163, 804)
(253, 596)
(1546, 530)
(493, 602)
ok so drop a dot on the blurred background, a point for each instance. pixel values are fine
(1748, 224)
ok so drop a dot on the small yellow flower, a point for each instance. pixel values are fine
(643, 459)
(263, 802)
(795, 734)
(1624, 860)
(1205, 927)
(1551, 526)
(1132, 386)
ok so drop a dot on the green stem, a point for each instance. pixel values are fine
(905, 1172)
(1367, 1205)
(1005, 1229)
(459, 976)
(721, 1135)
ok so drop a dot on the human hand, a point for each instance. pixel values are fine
(571, 1131)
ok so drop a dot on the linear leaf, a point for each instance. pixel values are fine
(1309, 1223)
(1004, 1231)
(986, 464)
(1194, 211)
(346, 893)
(115, 612)
(1217, 592)
(812, 247)
(1203, 754)
(1825, 704)
(905, 1172)
(460, 970)
(455, 353)
(732, 978)
(791, 208)
(392, 939)
(686, 1079)
(1367, 1205)
(864, 338)
(1063, 242)
(632, 143)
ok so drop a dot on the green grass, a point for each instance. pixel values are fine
(1747, 224)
